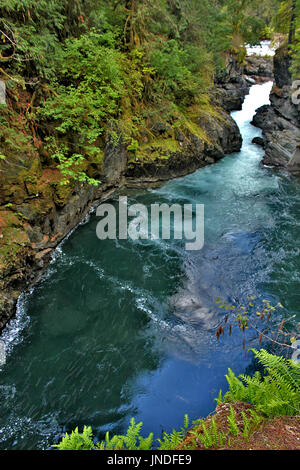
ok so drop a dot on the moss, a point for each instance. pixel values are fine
(94, 163)
(178, 128)
(157, 149)
(192, 128)
(14, 241)
(62, 192)
(8, 219)
(282, 50)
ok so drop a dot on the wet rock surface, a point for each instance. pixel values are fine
(236, 82)
(224, 138)
(115, 159)
(259, 69)
(294, 163)
(232, 87)
(280, 121)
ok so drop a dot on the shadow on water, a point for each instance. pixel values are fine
(121, 328)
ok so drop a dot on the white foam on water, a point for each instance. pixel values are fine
(12, 333)
(265, 48)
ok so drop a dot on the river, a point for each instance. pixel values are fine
(127, 328)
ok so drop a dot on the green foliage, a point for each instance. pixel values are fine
(247, 425)
(132, 440)
(77, 441)
(244, 25)
(249, 316)
(208, 436)
(31, 34)
(282, 18)
(90, 66)
(276, 393)
(233, 427)
(68, 167)
(172, 440)
(180, 75)
(93, 85)
(92, 73)
(250, 422)
(88, 89)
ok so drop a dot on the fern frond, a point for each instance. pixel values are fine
(276, 393)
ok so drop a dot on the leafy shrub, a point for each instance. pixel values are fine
(91, 73)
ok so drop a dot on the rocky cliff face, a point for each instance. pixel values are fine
(232, 87)
(280, 121)
(259, 69)
(294, 163)
(222, 136)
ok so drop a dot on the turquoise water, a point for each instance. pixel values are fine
(127, 328)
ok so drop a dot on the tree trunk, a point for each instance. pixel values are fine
(292, 23)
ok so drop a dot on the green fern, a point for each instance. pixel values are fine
(208, 436)
(131, 441)
(247, 425)
(170, 441)
(250, 422)
(275, 394)
(186, 421)
(219, 398)
(77, 441)
(233, 427)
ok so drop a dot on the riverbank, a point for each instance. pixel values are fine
(280, 433)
